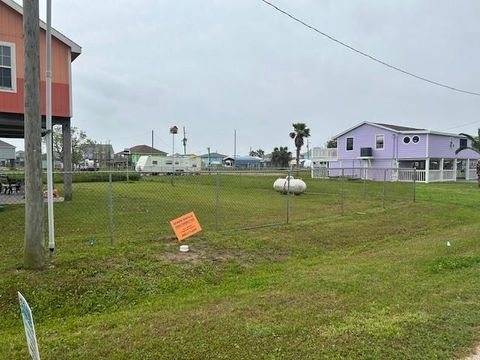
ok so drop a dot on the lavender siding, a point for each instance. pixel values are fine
(411, 150)
(364, 136)
(429, 146)
(468, 154)
(441, 146)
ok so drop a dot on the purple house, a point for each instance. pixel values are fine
(368, 148)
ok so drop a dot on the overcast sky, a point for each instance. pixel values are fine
(218, 65)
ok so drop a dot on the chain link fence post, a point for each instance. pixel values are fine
(288, 195)
(342, 179)
(384, 184)
(364, 183)
(414, 184)
(217, 201)
(110, 207)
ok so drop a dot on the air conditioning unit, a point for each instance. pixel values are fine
(366, 152)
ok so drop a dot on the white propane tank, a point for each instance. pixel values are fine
(297, 186)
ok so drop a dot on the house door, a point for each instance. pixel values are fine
(461, 169)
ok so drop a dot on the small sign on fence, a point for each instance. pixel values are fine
(185, 226)
(29, 328)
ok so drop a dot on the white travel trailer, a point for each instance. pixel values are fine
(189, 164)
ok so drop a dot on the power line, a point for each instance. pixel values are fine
(459, 126)
(369, 56)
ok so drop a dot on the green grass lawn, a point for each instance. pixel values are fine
(373, 284)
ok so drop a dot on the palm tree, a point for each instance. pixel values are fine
(475, 141)
(281, 157)
(300, 131)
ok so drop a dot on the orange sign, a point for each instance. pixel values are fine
(185, 226)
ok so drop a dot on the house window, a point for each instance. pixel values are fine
(448, 164)
(379, 141)
(169, 162)
(349, 143)
(7, 67)
(463, 143)
(415, 139)
(406, 139)
(434, 164)
(154, 162)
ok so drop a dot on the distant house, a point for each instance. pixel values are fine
(57, 164)
(101, 155)
(364, 149)
(20, 158)
(243, 162)
(212, 159)
(121, 158)
(7, 155)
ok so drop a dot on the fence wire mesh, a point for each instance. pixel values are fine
(120, 206)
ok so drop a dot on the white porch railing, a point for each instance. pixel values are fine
(434, 175)
(472, 174)
(411, 174)
(441, 175)
(324, 154)
(449, 175)
(404, 175)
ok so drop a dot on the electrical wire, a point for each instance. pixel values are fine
(459, 126)
(371, 57)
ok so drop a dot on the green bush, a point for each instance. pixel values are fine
(82, 177)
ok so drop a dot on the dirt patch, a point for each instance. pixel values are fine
(475, 356)
(199, 252)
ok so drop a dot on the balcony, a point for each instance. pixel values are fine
(322, 154)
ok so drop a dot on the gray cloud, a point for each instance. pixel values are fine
(218, 65)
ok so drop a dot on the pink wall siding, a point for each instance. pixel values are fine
(11, 31)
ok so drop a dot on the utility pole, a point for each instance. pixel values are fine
(235, 147)
(184, 141)
(208, 148)
(152, 139)
(34, 252)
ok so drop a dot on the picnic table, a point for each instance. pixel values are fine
(8, 186)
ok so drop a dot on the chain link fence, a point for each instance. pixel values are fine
(121, 206)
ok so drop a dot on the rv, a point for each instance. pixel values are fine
(167, 164)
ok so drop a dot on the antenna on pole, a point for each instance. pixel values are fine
(184, 141)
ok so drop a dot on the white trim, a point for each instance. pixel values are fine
(427, 145)
(77, 49)
(346, 143)
(407, 132)
(383, 142)
(13, 67)
(419, 139)
(427, 170)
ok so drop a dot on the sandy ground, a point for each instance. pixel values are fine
(476, 356)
